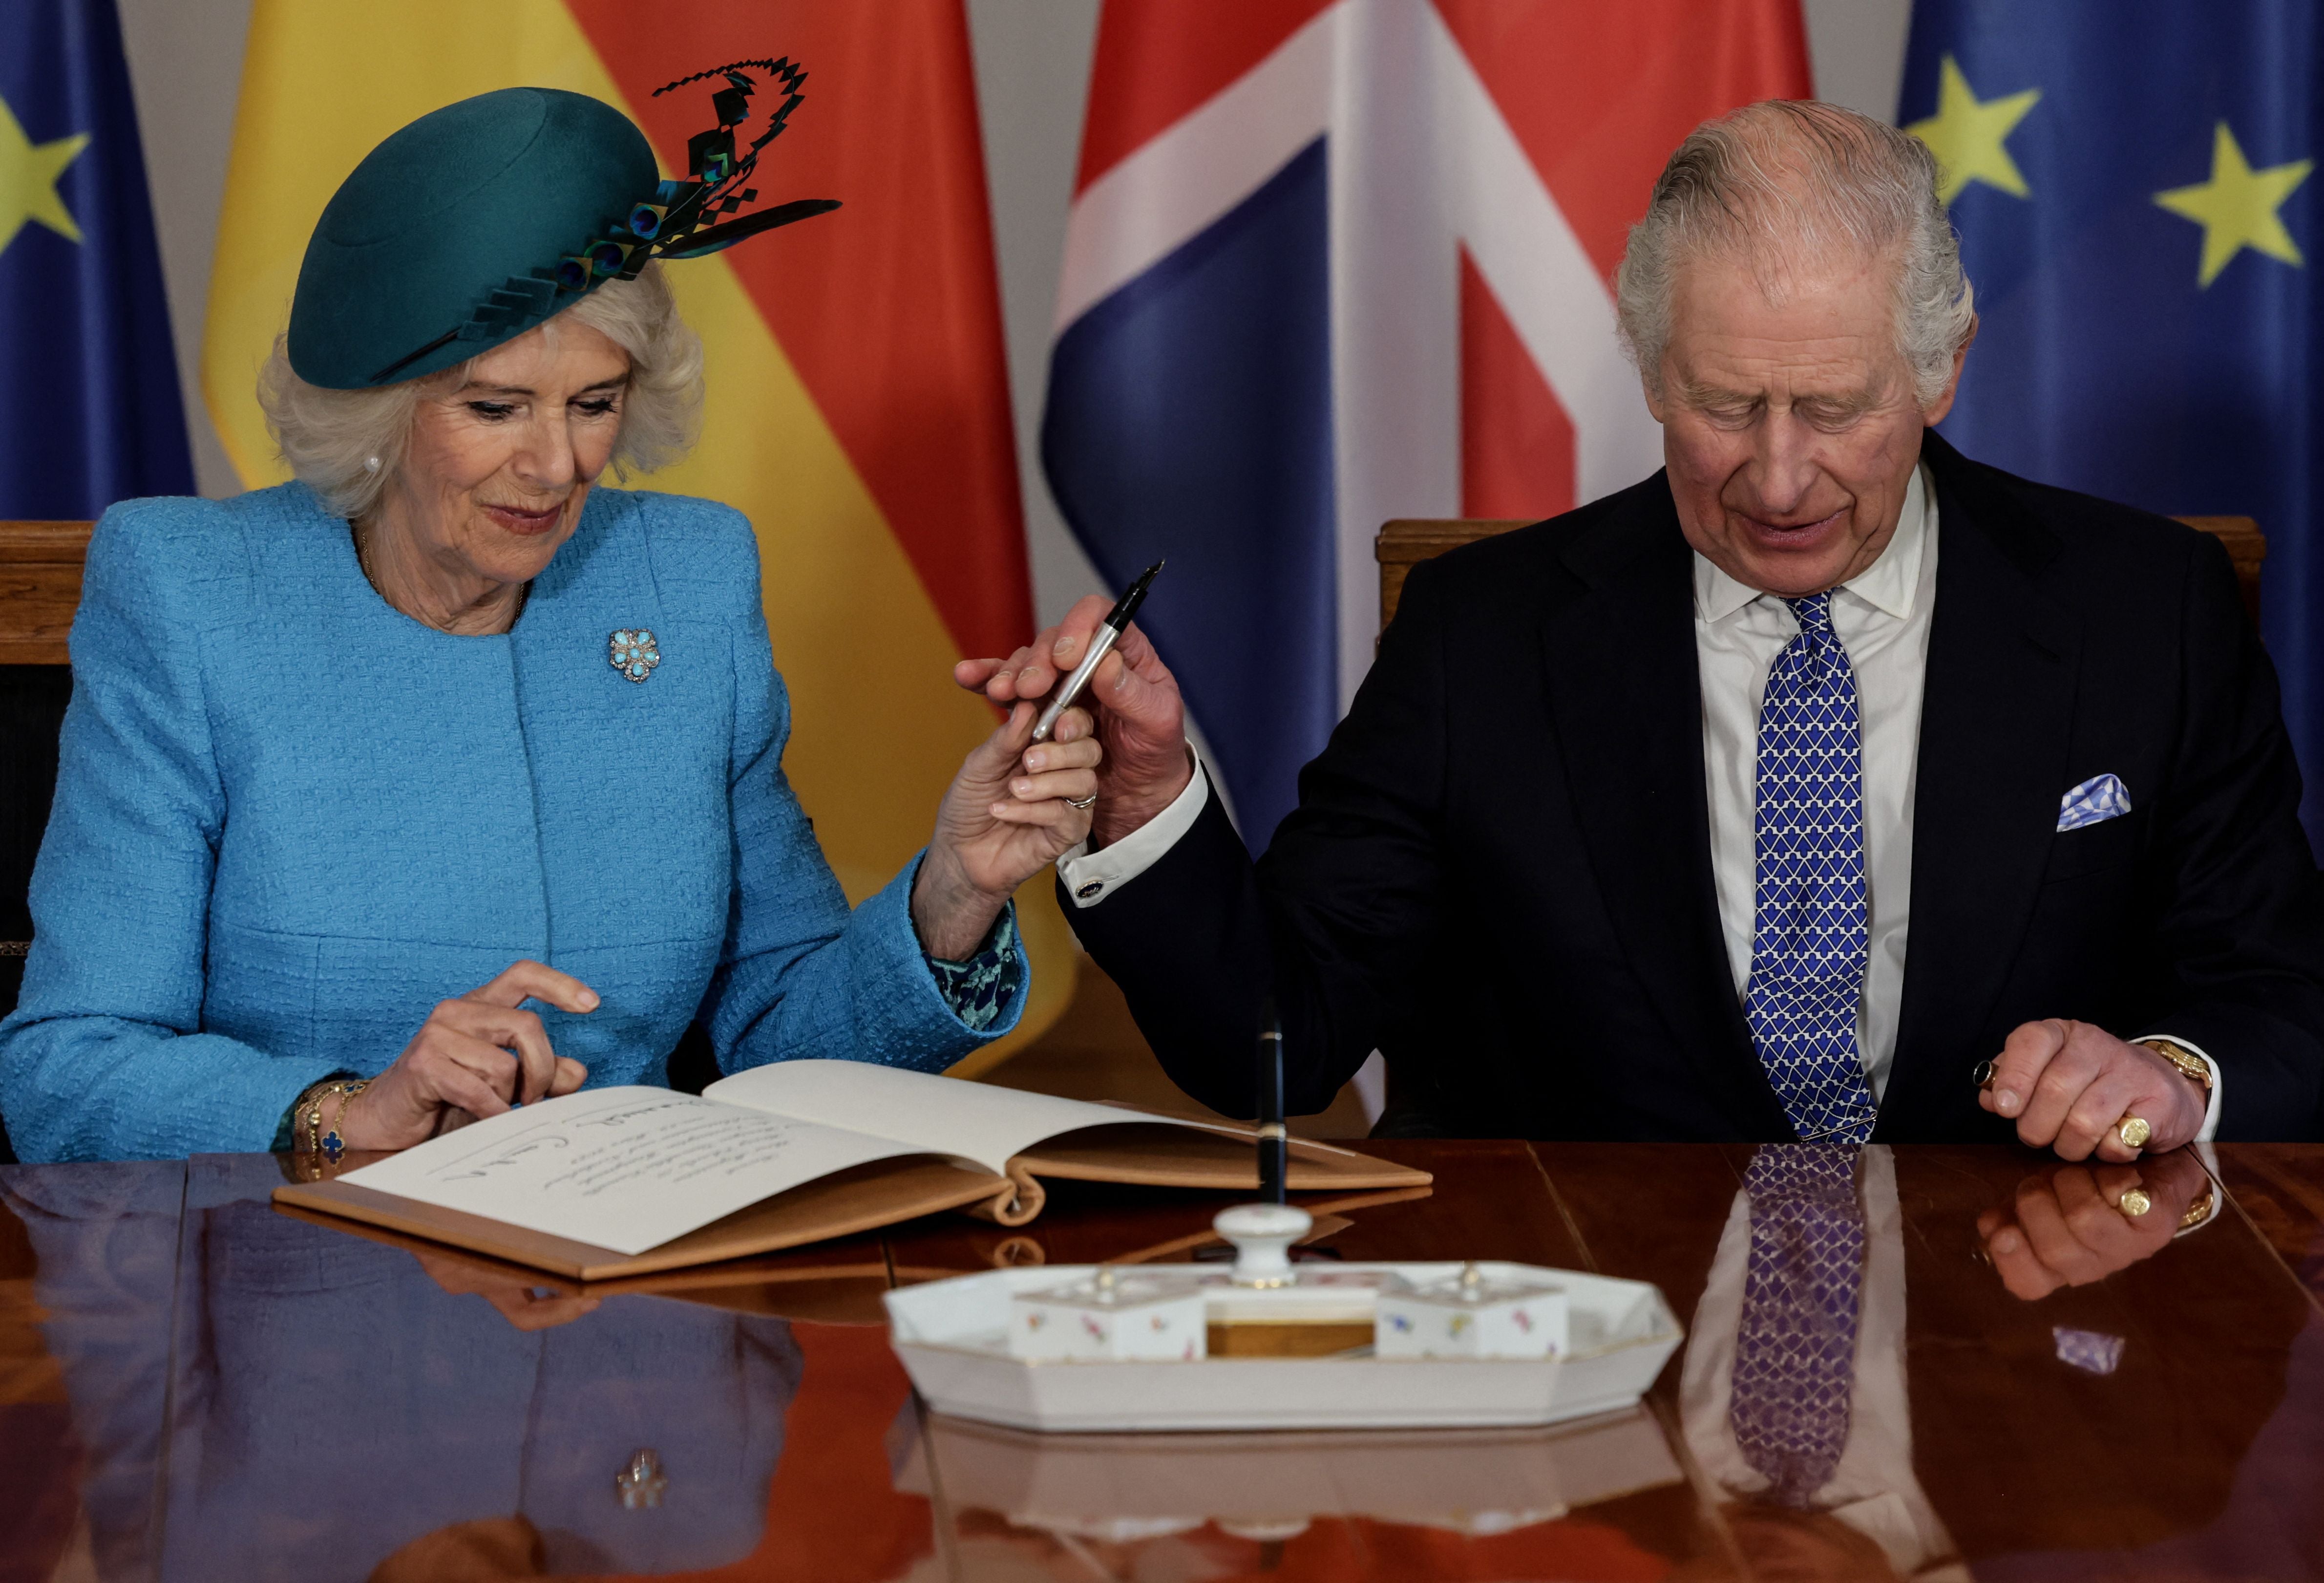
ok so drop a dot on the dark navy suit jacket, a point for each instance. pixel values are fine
(1499, 870)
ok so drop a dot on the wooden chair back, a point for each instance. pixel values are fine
(40, 588)
(41, 568)
(1405, 542)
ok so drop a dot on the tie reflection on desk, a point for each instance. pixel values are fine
(1796, 1396)
(1792, 1395)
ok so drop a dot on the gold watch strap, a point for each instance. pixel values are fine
(2191, 1066)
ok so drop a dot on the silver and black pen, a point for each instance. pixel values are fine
(1101, 641)
(1273, 1139)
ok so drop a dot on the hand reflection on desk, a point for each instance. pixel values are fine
(525, 1304)
(2066, 1224)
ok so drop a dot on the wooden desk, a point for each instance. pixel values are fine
(192, 1386)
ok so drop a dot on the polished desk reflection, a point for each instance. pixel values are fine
(1937, 1363)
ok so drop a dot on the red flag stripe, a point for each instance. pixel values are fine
(1156, 60)
(1597, 96)
(1516, 442)
(889, 309)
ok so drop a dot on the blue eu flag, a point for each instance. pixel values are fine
(2131, 183)
(89, 411)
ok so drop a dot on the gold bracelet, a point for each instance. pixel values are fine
(311, 1104)
(307, 1118)
(335, 1143)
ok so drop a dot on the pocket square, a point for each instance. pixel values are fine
(2094, 801)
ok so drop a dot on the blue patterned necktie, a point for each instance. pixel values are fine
(1809, 934)
(1795, 1349)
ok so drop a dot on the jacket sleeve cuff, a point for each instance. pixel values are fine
(979, 986)
(917, 1025)
(1089, 877)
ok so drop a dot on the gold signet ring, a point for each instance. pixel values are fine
(2133, 1132)
(2135, 1203)
(1984, 1073)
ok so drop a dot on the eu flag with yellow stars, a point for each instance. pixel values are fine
(2131, 183)
(90, 410)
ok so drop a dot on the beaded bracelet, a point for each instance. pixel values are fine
(310, 1104)
(308, 1113)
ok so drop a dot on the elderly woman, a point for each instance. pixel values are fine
(360, 767)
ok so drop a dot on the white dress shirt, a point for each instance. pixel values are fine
(1883, 616)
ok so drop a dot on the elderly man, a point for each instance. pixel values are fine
(1826, 785)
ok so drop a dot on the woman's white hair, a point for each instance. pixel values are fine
(1786, 182)
(346, 444)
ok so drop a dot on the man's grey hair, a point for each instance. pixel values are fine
(346, 444)
(1780, 184)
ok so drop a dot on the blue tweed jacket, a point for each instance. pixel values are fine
(289, 820)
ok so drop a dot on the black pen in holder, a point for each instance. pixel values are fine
(1274, 1143)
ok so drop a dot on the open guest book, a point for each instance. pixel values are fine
(611, 1182)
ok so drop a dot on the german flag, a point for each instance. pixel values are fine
(858, 407)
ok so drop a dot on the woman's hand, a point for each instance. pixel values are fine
(1004, 819)
(1132, 697)
(470, 1059)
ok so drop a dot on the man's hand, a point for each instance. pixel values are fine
(2069, 1084)
(2066, 1226)
(1133, 699)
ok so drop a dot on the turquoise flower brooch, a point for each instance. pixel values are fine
(634, 653)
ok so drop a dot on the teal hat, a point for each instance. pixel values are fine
(479, 220)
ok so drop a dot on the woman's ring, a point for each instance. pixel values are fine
(1081, 801)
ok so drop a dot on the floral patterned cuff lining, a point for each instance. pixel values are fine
(978, 988)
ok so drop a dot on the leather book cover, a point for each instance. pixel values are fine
(882, 1193)
(862, 1199)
